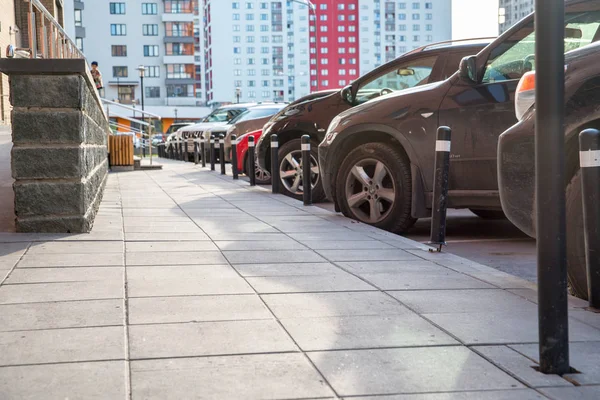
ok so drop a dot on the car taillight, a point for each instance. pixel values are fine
(525, 95)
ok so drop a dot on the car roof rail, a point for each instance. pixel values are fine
(449, 42)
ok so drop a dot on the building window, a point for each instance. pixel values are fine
(120, 72)
(179, 29)
(79, 43)
(149, 8)
(152, 92)
(179, 49)
(150, 29)
(119, 51)
(126, 94)
(152, 71)
(428, 6)
(150, 51)
(416, 6)
(235, 5)
(115, 8)
(78, 19)
(178, 7)
(180, 90)
(180, 71)
(118, 29)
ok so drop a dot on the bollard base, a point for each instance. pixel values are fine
(438, 247)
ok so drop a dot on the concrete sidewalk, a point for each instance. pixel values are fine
(192, 285)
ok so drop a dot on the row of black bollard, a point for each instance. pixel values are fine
(589, 161)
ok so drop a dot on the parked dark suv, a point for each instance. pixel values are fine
(377, 159)
(421, 66)
(516, 147)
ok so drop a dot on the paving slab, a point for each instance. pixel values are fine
(515, 326)
(154, 310)
(346, 245)
(66, 274)
(67, 314)
(409, 370)
(262, 245)
(373, 331)
(291, 269)
(337, 282)
(307, 305)
(170, 247)
(367, 255)
(519, 366)
(61, 291)
(573, 393)
(83, 380)
(463, 301)
(184, 281)
(263, 376)
(171, 236)
(584, 357)
(208, 338)
(512, 394)
(267, 257)
(62, 345)
(71, 260)
(175, 258)
(76, 247)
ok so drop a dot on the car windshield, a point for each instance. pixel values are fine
(254, 114)
(516, 55)
(402, 76)
(222, 115)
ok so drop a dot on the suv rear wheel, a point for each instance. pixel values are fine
(290, 171)
(374, 187)
(576, 271)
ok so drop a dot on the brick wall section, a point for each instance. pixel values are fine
(59, 156)
(7, 19)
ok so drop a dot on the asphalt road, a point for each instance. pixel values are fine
(495, 243)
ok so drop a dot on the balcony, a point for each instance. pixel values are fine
(179, 59)
(182, 17)
(181, 101)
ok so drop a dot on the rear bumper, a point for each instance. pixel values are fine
(516, 174)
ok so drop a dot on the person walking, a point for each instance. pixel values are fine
(96, 75)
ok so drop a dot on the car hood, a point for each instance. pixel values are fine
(400, 97)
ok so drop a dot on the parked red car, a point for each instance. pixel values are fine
(262, 177)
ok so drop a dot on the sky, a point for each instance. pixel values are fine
(474, 18)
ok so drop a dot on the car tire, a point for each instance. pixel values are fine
(287, 184)
(383, 202)
(262, 177)
(489, 214)
(577, 270)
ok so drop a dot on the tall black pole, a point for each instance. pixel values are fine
(143, 115)
(550, 187)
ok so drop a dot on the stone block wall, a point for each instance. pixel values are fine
(59, 156)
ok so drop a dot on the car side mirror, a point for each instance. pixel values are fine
(347, 95)
(468, 69)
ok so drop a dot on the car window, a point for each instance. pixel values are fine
(222, 115)
(453, 62)
(402, 76)
(516, 55)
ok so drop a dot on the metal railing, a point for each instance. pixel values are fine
(47, 39)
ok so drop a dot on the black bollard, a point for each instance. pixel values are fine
(222, 154)
(274, 164)
(589, 160)
(170, 150)
(196, 155)
(234, 164)
(186, 156)
(181, 149)
(203, 152)
(211, 150)
(306, 171)
(251, 161)
(440, 187)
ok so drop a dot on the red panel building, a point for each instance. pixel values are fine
(334, 43)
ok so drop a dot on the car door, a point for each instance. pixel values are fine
(479, 112)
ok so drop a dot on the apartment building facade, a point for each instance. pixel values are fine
(158, 35)
(511, 11)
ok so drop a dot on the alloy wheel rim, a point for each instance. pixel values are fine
(370, 191)
(261, 174)
(290, 172)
